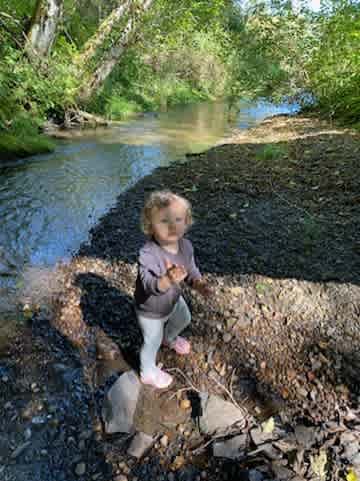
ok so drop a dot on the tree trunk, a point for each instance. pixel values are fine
(110, 58)
(96, 40)
(43, 27)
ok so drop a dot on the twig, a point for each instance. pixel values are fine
(227, 392)
(180, 390)
(176, 369)
(214, 438)
(205, 445)
(232, 380)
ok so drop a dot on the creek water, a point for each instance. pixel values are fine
(49, 202)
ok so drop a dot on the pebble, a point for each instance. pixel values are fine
(185, 404)
(121, 477)
(86, 434)
(178, 463)
(227, 337)
(19, 450)
(80, 469)
(181, 428)
(203, 474)
(171, 477)
(302, 391)
(164, 441)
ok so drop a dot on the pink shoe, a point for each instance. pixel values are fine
(158, 378)
(180, 345)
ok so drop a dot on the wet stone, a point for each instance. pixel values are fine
(80, 469)
(218, 414)
(140, 444)
(232, 448)
(255, 475)
(305, 436)
(120, 404)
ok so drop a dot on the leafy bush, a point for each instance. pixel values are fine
(334, 70)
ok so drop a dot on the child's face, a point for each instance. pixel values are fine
(169, 223)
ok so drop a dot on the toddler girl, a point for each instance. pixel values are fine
(166, 259)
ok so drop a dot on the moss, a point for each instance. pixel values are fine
(13, 147)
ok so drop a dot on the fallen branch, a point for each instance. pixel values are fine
(227, 392)
(176, 369)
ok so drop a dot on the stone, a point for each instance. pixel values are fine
(140, 443)
(120, 404)
(164, 441)
(20, 449)
(351, 451)
(305, 436)
(80, 469)
(218, 414)
(227, 337)
(348, 437)
(255, 475)
(121, 477)
(267, 449)
(177, 463)
(356, 461)
(259, 437)
(232, 448)
(281, 472)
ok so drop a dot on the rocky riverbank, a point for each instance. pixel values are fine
(277, 210)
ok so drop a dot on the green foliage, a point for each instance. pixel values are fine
(118, 108)
(183, 52)
(334, 70)
(270, 53)
(272, 152)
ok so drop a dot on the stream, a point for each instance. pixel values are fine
(48, 203)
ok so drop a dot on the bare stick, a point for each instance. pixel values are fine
(180, 390)
(228, 393)
(176, 369)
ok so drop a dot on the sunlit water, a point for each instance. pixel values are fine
(48, 203)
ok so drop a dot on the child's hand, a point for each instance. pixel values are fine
(203, 288)
(175, 273)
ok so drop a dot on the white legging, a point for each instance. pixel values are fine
(155, 330)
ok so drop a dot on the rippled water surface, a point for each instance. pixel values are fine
(49, 202)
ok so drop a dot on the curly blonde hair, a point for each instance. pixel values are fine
(158, 200)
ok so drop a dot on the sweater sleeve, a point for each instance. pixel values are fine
(193, 271)
(149, 272)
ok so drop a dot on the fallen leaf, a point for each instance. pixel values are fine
(351, 476)
(185, 404)
(318, 464)
(178, 462)
(268, 426)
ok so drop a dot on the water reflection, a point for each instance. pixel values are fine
(48, 203)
